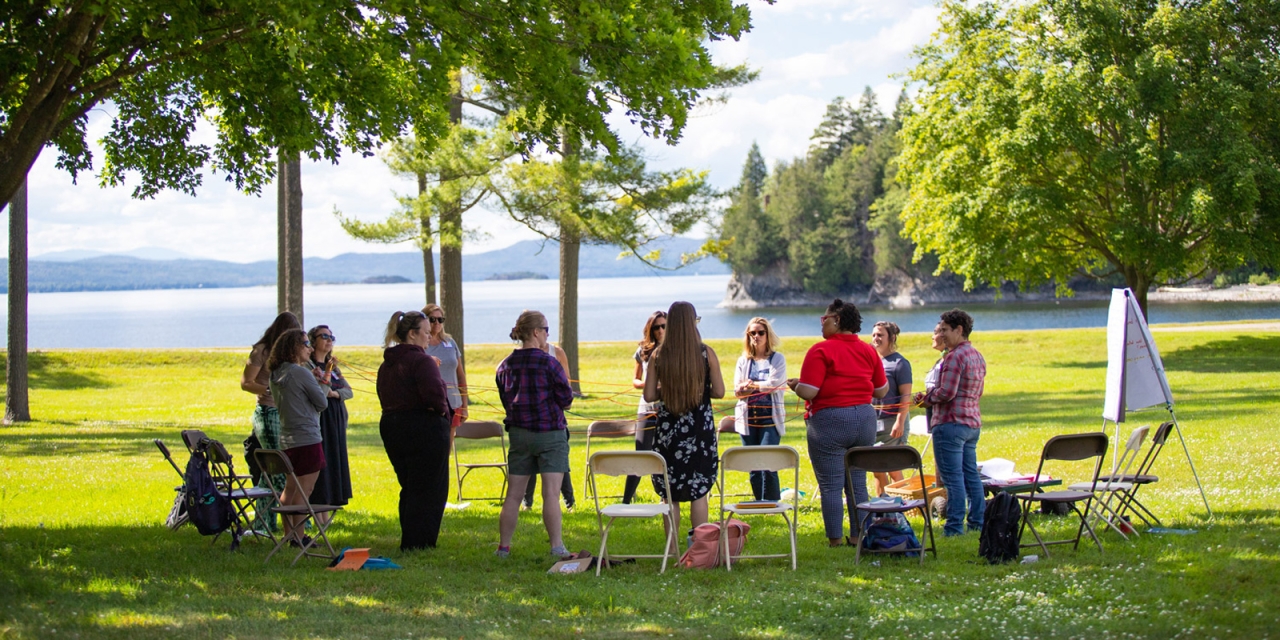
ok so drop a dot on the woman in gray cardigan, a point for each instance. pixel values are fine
(299, 398)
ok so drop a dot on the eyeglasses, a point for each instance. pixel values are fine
(659, 327)
(697, 319)
(327, 336)
(435, 320)
(758, 333)
(547, 329)
(306, 343)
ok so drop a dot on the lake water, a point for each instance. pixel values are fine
(609, 309)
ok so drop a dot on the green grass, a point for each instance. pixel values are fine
(83, 493)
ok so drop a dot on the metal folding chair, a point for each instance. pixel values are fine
(1075, 447)
(480, 430)
(273, 462)
(883, 460)
(1108, 489)
(1142, 477)
(758, 458)
(609, 429)
(630, 463)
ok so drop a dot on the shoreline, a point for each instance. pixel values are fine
(738, 300)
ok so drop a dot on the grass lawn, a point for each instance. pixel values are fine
(83, 493)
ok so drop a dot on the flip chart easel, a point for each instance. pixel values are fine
(1135, 374)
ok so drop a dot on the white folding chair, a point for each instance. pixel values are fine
(1106, 490)
(480, 430)
(758, 458)
(608, 429)
(630, 463)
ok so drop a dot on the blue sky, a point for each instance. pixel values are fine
(808, 52)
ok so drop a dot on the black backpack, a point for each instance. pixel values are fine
(207, 508)
(1000, 529)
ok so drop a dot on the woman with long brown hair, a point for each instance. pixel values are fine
(684, 374)
(300, 398)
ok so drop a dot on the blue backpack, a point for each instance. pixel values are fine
(891, 532)
(208, 508)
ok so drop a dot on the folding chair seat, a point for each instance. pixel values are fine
(275, 462)
(1142, 477)
(1108, 489)
(608, 429)
(631, 463)
(758, 458)
(1075, 447)
(884, 460)
(480, 430)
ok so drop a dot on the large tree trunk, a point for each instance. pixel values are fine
(451, 253)
(428, 260)
(289, 234)
(16, 408)
(570, 244)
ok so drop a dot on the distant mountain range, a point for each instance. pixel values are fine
(157, 268)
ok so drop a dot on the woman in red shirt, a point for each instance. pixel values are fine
(838, 379)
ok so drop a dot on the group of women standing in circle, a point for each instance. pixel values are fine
(301, 410)
(422, 384)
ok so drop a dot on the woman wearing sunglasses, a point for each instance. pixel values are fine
(442, 347)
(300, 398)
(334, 484)
(415, 427)
(839, 377)
(655, 329)
(758, 382)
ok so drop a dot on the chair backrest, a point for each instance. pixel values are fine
(760, 458)
(1162, 434)
(1157, 443)
(479, 429)
(727, 424)
(192, 437)
(612, 429)
(273, 462)
(627, 463)
(883, 459)
(1075, 446)
(1131, 449)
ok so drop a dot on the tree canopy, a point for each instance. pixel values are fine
(319, 76)
(1115, 136)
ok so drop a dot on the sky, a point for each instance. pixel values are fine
(808, 52)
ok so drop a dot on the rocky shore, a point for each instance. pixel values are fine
(774, 288)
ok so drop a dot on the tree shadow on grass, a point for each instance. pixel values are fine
(54, 371)
(1241, 353)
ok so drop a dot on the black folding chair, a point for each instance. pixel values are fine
(883, 460)
(274, 462)
(1075, 447)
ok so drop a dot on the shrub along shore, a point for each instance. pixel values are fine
(83, 494)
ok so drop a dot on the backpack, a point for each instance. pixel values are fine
(891, 532)
(207, 508)
(1000, 529)
(704, 550)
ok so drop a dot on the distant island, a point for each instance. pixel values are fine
(385, 280)
(156, 268)
(519, 275)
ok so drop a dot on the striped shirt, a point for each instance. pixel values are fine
(960, 383)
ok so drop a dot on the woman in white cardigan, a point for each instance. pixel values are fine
(758, 382)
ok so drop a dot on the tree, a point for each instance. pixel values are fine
(1110, 136)
(16, 407)
(748, 234)
(315, 78)
(454, 173)
(586, 195)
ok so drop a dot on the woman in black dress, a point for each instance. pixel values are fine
(334, 484)
(685, 375)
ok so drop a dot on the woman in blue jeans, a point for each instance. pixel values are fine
(758, 381)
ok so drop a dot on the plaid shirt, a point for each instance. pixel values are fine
(960, 381)
(534, 390)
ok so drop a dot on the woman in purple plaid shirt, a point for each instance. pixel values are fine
(535, 392)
